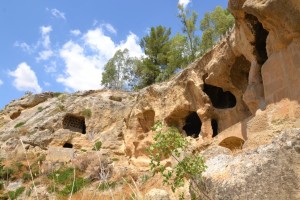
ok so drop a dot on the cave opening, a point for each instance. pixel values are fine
(219, 98)
(74, 123)
(192, 125)
(68, 145)
(260, 35)
(214, 125)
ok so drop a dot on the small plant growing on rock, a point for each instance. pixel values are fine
(168, 142)
(86, 112)
(15, 194)
(19, 124)
(97, 146)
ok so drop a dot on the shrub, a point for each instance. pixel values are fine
(97, 146)
(19, 124)
(62, 176)
(15, 194)
(168, 142)
(86, 112)
(61, 107)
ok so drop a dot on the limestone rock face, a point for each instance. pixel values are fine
(268, 172)
(157, 194)
(230, 104)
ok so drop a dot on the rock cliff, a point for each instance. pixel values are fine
(234, 104)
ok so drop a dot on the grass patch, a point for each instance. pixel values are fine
(15, 194)
(62, 176)
(79, 183)
(19, 124)
(86, 112)
(40, 109)
(107, 185)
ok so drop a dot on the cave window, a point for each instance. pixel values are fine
(219, 98)
(214, 125)
(74, 123)
(192, 125)
(68, 145)
(260, 41)
(233, 143)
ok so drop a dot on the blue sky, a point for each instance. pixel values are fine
(55, 45)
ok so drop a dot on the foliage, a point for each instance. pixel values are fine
(214, 25)
(15, 194)
(170, 143)
(118, 71)
(86, 112)
(19, 124)
(97, 146)
(156, 46)
(62, 176)
(60, 107)
(189, 21)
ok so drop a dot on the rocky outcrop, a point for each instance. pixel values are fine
(231, 104)
(268, 172)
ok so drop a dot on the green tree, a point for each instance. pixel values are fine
(214, 25)
(156, 46)
(189, 29)
(177, 55)
(118, 71)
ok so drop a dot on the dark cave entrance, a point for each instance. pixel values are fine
(192, 125)
(260, 35)
(68, 145)
(74, 123)
(219, 98)
(214, 125)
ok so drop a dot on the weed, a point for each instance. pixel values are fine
(115, 159)
(61, 107)
(15, 194)
(57, 94)
(97, 146)
(40, 109)
(19, 124)
(107, 185)
(26, 177)
(86, 112)
(19, 165)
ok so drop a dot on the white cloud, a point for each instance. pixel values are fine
(25, 78)
(75, 32)
(45, 30)
(100, 43)
(184, 3)
(45, 55)
(47, 83)
(132, 44)
(51, 67)
(110, 28)
(24, 46)
(82, 72)
(84, 63)
(58, 14)
(1, 82)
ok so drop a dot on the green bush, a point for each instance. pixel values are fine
(19, 124)
(62, 176)
(86, 112)
(168, 142)
(97, 146)
(15, 194)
